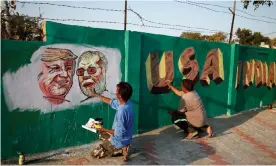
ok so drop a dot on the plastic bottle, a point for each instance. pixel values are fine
(21, 159)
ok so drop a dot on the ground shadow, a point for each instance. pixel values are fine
(221, 125)
(165, 147)
(168, 146)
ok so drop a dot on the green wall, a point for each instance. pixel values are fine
(31, 131)
(153, 108)
(253, 96)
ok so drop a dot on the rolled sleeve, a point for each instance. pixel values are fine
(114, 103)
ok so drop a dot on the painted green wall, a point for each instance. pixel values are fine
(153, 108)
(251, 97)
(32, 132)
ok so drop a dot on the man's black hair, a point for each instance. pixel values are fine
(188, 84)
(125, 90)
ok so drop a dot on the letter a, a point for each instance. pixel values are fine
(213, 68)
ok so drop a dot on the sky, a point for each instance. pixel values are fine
(162, 11)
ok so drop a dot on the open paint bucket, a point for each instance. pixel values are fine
(98, 123)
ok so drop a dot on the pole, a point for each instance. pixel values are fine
(125, 15)
(233, 19)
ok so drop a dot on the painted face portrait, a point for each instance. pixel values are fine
(91, 72)
(56, 76)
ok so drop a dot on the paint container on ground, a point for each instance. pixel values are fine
(21, 159)
(98, 123)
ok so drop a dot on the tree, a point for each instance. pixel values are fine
(218, 36)
(257, 3)
(191, 35)
(6, 9)
(273, 42)
(19, 27)
(246, 37)
(258, 38)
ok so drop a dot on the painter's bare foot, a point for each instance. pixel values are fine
(210, 132)
(125, 153)
(191, 135)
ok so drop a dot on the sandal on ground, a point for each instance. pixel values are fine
(211, 135)
(125, 158)
(125, 154)
(192, 135)
(117, 153)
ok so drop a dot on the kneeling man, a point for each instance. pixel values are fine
(122, 129)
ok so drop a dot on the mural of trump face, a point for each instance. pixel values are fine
(56, 76)
(91, 72)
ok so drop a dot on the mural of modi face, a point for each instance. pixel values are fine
(91, 72)
(56, 76)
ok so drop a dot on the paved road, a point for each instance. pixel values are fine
(247, 138)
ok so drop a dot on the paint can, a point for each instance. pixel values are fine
(21, 159)
(98, 123)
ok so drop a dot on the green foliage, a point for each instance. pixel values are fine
(16, 26)
(257, 3)
(219, 36)
(273, 42)
(247, 37)
(191, 35)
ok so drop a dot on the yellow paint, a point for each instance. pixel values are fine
(258, 71)
(248, 77)
(271, 81)
(265, 73)
(162, 66)
(180, 65)
(207, 79)
(148, 71)
(221, 67)
(43, 26)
